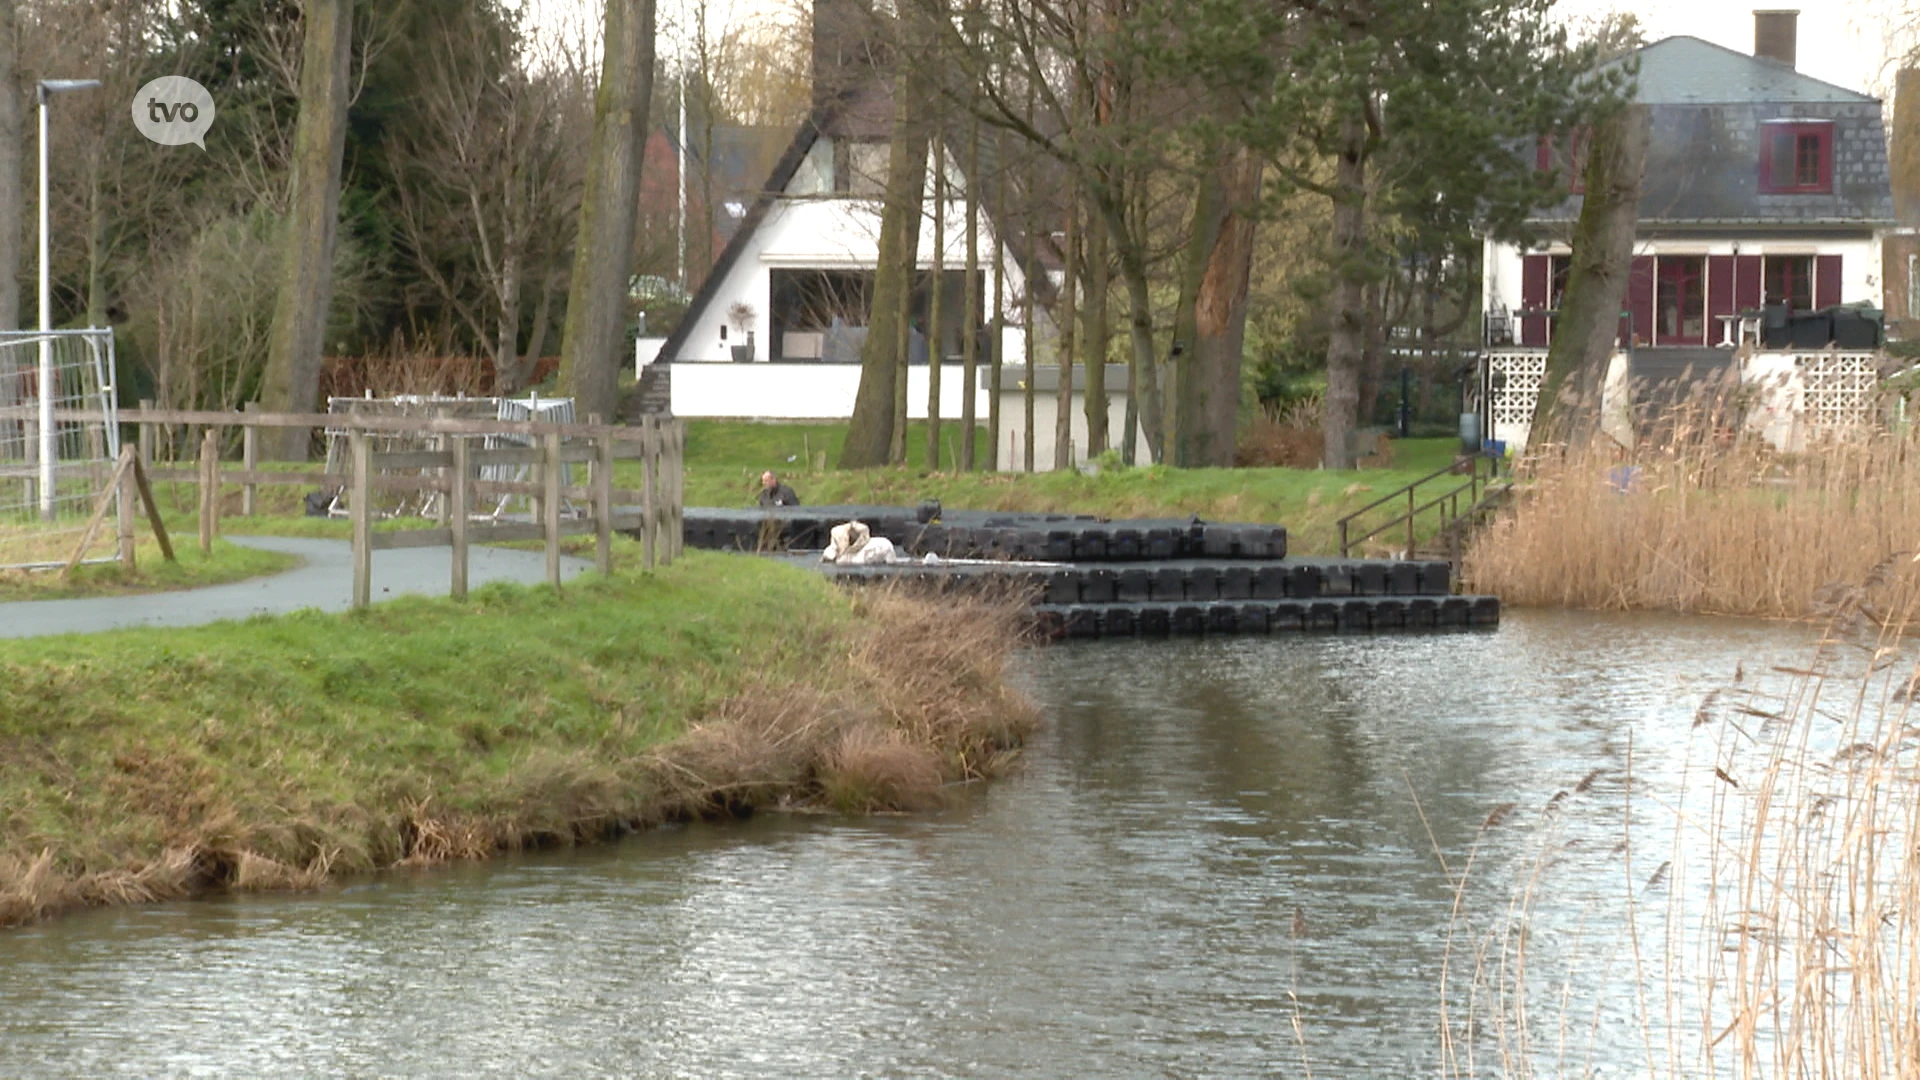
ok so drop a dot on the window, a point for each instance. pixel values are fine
(1567, 156)
(1560, 268)
(1796, 158)
(1789, 280)
(860, 167)
(1679, 312)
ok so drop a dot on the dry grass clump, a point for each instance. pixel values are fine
(1703, 522)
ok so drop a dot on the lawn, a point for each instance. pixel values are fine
(725, 459)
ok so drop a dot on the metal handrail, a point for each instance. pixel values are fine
(1473, 485)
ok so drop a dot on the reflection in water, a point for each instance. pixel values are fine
(1211, 841)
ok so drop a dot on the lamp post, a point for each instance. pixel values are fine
(49, 444)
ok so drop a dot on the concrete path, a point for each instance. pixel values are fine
(323, 581)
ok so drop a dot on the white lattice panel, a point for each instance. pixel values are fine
(1839, 388)
(1512, 404)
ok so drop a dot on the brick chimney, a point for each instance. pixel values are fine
(1776, 35)
(1903, 158)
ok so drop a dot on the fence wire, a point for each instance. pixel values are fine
(59, 438)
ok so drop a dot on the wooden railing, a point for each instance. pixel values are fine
(1436, 496)
(654, 510)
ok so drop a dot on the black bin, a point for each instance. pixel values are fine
(1854, 328)
(1812, 330)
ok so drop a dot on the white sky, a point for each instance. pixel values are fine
(1848, 42)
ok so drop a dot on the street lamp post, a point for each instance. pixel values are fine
(49, 444)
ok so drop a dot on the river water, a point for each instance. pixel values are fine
(1220, 859)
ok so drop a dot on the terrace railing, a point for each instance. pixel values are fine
(1447, 500)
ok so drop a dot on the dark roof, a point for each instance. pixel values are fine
(1688, 71)
(1709, 107)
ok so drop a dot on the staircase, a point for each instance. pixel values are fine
(652, 396)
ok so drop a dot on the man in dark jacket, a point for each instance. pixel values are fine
(775, 493)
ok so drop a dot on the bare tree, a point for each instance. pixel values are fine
(489, 176)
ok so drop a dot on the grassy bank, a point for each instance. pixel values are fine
(1702, 525)
(281, 752)
(191, 570)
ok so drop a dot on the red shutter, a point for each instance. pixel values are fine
(1640, 297)
(1747, 285)
(1536, 274)
(1543, 153)
(1826, 280)
(1720, 275)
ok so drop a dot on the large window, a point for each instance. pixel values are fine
(1796, 157)
(1789, 280)
(1679, 310)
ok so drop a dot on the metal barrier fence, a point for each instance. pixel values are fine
(58, 443)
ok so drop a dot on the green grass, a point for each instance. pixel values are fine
(152, 573)
(724, 462)
(315, 738)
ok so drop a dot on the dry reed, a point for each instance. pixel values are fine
(1704, 522)
(1788, 939)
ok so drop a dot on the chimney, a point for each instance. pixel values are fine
(1776, 35)
(1903, 157)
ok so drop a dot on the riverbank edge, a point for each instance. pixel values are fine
(151, 765)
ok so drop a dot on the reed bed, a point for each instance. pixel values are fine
(1765, 917)
(1701, 521)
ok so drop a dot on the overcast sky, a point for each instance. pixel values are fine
(1849, 42)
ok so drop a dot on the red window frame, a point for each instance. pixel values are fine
(1796, 158)
(1547, 156)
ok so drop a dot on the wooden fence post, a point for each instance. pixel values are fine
(603, 503)
(361, 511)
(126, 496)
(458, 496)
(649, 490)
(551, 507)
(250, 460)
(153, 511)
(677, 517)
(209, 488)
(146, 435)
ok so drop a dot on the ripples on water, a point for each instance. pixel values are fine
(1211, 841)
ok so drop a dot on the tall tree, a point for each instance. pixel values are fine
(292, 379)
(590, 351)
(878, 426)
(10, 143)
(1584, 335)
(1434, 101)
(1210, 326)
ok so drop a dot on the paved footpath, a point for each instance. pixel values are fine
(323, 581)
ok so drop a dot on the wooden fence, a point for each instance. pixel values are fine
(654, 511)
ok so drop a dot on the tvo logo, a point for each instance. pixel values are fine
(174, 110)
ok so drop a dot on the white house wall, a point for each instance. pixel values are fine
(837, 233)
(1013, 424)
(1859, 262)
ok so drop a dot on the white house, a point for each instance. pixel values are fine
(775, 331)
(1765, 189)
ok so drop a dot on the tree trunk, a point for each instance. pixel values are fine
(291, 382)
(1069, 331)
(1093, 316)
(1583, 341)
(1212, 321)
(935, 289)
(870, 434)
(96, 241)
(1029, 310)
(506, 342)
(970, 307)
(590, 345)
(1143, 376)
(1349, 299)
(542, 316)
(1373, 354)
(11, 208)
(996, 344)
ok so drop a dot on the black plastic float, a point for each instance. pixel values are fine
(1141, 578)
